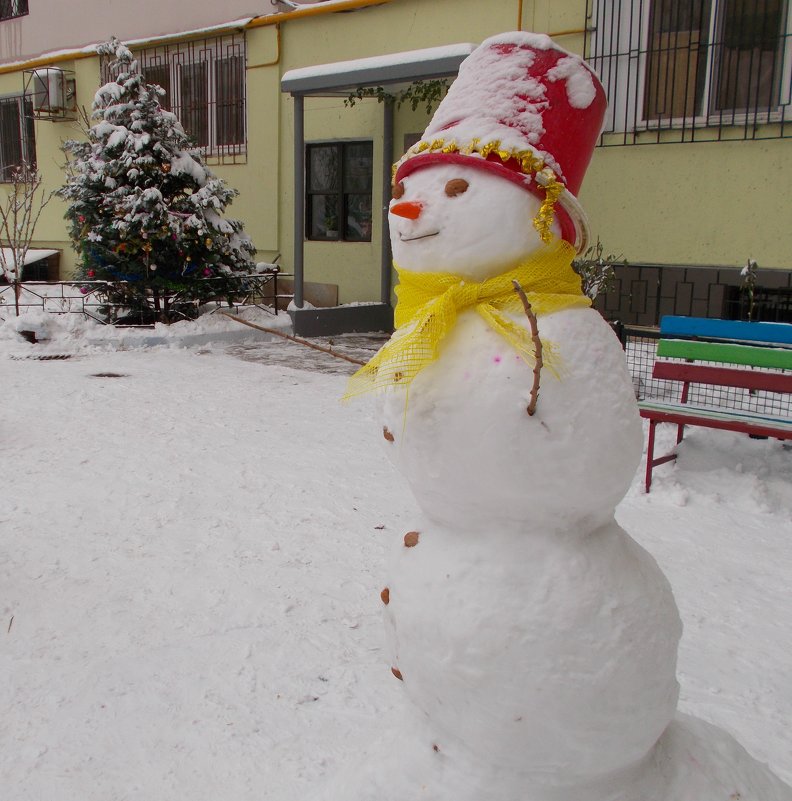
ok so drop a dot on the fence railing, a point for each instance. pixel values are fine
(642, 293)
(90, 299)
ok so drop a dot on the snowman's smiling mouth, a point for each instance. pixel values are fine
(404, 238)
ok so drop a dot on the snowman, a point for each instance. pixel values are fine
(536, 642)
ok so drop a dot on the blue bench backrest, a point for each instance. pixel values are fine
(741, 331)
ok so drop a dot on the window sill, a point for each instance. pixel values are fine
(339, 241)
(701, 130)
(732, 119)
(215, 157)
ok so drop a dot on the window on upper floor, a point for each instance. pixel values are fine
(17, 135)
(338, 185)
(13, 8)
(704, 69)
(205, 86)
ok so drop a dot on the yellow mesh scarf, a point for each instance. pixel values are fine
(428, 305)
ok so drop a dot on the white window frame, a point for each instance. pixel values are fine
(626, 105)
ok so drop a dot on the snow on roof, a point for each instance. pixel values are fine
(243, 22)
(33, 255)
(391, 68)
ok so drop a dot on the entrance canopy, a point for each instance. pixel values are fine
(340, 79)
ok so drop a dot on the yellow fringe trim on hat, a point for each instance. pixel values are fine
(429, 303)
(544, 217)
(529, 161)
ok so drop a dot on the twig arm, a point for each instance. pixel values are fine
(537, 343)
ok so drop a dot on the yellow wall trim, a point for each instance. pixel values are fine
(89, 51)
(46, 60)
(313, 11)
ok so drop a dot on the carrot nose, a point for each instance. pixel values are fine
(409, 209)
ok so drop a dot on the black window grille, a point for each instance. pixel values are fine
(17, 135)
(205, 86)
(13, 8)
(338, 191)
(692, 70)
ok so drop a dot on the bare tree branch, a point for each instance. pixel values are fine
(19, 216)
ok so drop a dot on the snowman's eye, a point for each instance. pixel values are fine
(398, 190)
(456, 186)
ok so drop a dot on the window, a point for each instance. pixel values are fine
(13, 8)
(338, 191)
(695, 66)
(204, 83)
(17, 135)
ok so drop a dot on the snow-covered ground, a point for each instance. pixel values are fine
(191, 537)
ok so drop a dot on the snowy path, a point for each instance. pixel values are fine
(190, 572)
(291, 354)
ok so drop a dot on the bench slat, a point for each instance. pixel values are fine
(726, 353)
(709, 416)
(776, 333)
(722, 376)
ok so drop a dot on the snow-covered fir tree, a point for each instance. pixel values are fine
(143, 207)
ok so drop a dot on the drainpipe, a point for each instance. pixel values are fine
(299, 198)
(387, 156)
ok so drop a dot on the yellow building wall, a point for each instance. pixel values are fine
(701, 203)
(704, 203)
(51, 229)
(258, 180)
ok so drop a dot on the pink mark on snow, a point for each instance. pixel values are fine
(496, 359)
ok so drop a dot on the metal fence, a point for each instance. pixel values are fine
(692, 70)
(642, 293)
(89, 299)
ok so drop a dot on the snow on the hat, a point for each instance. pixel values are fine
(496, 99)
(506, 107)
(538, 41)
(579, 83)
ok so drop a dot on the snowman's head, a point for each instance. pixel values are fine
(462, 219)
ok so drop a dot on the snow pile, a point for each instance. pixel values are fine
(74, 333)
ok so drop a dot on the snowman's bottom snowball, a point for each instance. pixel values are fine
(537, 651)
(693, 761)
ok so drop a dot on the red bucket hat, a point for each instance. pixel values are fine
(527, 110)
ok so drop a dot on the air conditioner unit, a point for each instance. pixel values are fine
(49, 90)
(51, 93)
